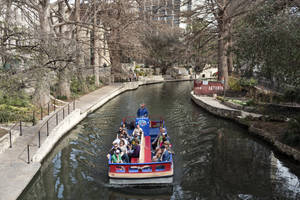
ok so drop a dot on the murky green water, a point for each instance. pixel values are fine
(214, 158)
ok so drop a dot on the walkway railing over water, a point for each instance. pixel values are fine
(19, 124)
(59, 109)
(37, 114)
(56, 117)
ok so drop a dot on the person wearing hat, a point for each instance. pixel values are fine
(142, 111)
(116, 158)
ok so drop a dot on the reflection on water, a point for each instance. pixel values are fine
(214, 158)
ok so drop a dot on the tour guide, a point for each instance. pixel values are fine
(142, 111)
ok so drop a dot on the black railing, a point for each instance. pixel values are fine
(56, 114)
(11, 129)
(54, 119)
(19, 123)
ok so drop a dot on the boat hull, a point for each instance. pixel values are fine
(142, 181)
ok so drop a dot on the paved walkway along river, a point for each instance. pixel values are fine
(15, 172)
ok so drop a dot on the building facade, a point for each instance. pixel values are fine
(165, 11)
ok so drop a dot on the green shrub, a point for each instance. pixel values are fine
(62, 97)
(236, 101)
(90, 80)
(234, 84)
(19, 101)
(220, 98)
(12, 113)
(248, 82)
(75, 85)
(250, 102)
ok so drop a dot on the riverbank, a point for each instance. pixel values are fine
(247, 119)
(16, 174)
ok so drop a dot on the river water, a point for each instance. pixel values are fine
(214, 158)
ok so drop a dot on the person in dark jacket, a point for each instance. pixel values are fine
(142, 111)
(134, 150)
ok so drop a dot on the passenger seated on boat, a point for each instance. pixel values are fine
(134, 150)
(116, 157)
(131, 125)
(142, 111)
(120, 130)
(157, 156)
(155, 141)
(124, 151)
(113, 149)
(162, 139)
(137, 132)
(124, 139)
(124, 128)
(124, 135)
(165, 154)
(118, 139)
(168, 145)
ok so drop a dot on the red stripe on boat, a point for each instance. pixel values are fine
(148, 149)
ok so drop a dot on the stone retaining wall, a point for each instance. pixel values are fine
(266, 136)
(282, 148)
(230, 114)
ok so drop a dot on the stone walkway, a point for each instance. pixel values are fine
(15, 172)
(213, 102)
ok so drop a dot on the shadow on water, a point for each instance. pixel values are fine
(214, 158)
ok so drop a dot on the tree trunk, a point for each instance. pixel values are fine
(224, 65)
(223, 44)
(115, 53)
(42, 92)
(220, 50)
(230, 53)
(79, 49)
(96, 42)
(41, 95)
(64, 83)
(224, 56)
(5, 31)
(63, 72)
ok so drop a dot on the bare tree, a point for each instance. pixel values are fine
(221, 15)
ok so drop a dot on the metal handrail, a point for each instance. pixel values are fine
(10, 133)
(46, 123)
(56, 115)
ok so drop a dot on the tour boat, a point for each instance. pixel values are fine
(142, 170)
